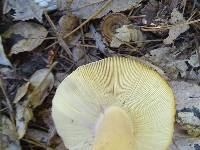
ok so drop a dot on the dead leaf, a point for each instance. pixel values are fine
(85, 8)
(181, 141)
(23, 115)
(41, 83)
(8, 135)
(47, 4)
(3, 59)
(175, 31)
(32, 35)
(59, 77)
(79, 56)
(64, 4)
(165, 59)
(98, 40)
(24, 9)
(21, 92)
(185, 93)
(150, 11)
(66, 24)
(38, 95)
(37, 135)
(126, 34)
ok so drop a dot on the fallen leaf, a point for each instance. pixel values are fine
(79, 56)
(31, 36)
(64, 4)
(24, 9)
(175, 31)
(185, 93)
(49, 5)
(126, 34)
(8, 135)
(66, 24)
(181, 141)
(3, 59)
(98, 40)
(37, 135)
(85, 8)
(23, 115)
(21, 92)
(150, 11)
(41, 83)
(59, 77)
(165, 59)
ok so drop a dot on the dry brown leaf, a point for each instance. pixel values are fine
(21, 92)
(41, 85)
(79, 56)
(66, 24)
(85, 8)
(8, 135)
(31, 36)
(175, 31)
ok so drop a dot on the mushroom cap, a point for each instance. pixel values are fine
(116, 82)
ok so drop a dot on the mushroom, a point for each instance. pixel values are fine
(114, 104)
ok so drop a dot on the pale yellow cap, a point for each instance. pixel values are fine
(113, 103)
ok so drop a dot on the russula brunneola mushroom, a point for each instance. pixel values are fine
(114, 104)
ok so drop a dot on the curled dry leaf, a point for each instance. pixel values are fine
(111, 22)
(3, 59)
(66, 24)
(41, 82)
(28, 36)
(175, 31)
(85, 8)
(8, 135)
(126, 34)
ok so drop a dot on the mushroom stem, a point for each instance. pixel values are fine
(114, 130)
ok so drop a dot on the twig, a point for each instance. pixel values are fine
(37, 144)
(91, 17)
(86, 45)
(145, 28)
(59, 37)
(11, 111)
(198, 51)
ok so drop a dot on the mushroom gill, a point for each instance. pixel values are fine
(114, 104)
